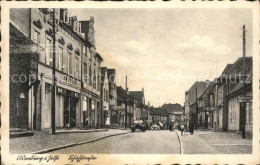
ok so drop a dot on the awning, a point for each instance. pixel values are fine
(20, 43)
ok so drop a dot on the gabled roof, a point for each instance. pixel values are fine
(157, 111)
(103, 74)
(111, 74)
(137, 95)
(173, 108)
(208, 90)
(237, 67)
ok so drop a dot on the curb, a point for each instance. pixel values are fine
(80, 131)
(74, 144)
(181, 143)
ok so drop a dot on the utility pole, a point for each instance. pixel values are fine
(196, 110)
(243, 110)
(126, 89)
(53, 91)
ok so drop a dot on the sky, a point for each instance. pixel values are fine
(166, 50)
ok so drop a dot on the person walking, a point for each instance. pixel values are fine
(170, 127)
(191, 127)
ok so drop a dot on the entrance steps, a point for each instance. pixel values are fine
(19, 132)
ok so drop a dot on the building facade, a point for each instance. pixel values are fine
(77, 67)
(106, 113)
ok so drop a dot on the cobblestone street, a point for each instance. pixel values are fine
(44, 140)
(227, 143)
(215, 143)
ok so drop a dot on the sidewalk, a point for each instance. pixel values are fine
(43, 140)
(209, 142)
(193, 144)
(227, 142)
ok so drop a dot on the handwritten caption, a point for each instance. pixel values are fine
(54, 158)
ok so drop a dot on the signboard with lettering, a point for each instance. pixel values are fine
(244, 99)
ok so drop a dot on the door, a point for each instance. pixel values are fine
(67, 111)
(47, 121)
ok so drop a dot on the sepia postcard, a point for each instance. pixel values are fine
(130, 82)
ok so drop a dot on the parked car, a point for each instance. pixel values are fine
(140, 126)
(155, 126)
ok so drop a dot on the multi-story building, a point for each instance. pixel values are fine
(125, 102)
(105, 113)
(140, 112)
(114, 115)
(75, 53)
(175, 112)
(240, 111)
(192, 95)
(206, 107)
(222, 102)
(158, 116)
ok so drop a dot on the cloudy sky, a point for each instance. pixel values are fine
(167, 50)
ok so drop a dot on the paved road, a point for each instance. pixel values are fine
(149, 142)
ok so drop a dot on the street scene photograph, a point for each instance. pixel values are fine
(130, 81)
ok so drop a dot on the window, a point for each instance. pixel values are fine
(91, 54)
(76, 67)
(250, 112)
(98, 86)
(90, 77)
(233, 114)
(60, 60)
(69, 63)
(94, 80)
(230, 113)
(84, 51)
(36, 37)
(85, 69)
(66, 20)
(48, 57)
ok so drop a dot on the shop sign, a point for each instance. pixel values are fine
(244, 99)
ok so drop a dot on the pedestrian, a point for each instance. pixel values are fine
(170, 127)
(191, 127)
(182, 128)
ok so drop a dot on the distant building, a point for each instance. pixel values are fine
(114, 115)
(105, 112)
(191, 97)
(175, 112)
(140, 112)
(125, 100)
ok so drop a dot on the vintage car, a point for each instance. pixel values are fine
(139, 125)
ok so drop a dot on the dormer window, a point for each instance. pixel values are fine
(61, 40)
(49, 31)
(70, 46)
(38, 23)
(65, 16)
(77, 51)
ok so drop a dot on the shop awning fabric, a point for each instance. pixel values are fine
(20, 43)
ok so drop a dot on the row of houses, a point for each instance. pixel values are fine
(224, 104)
(86, 94)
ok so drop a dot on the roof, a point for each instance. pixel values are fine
(121, 95)
(237, 67)
(111, 74)
(137, 95)
(208, 90)
(157, 111)
(103, 74)
(173, 108)
(99, 56)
